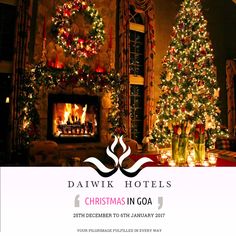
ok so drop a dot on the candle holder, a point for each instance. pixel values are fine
(164, 158)
(158, 159)
(199, 153)
(191, 164)
(199, 144)
(171, 163)
(180, 150)
(212, 158)
(205, 163)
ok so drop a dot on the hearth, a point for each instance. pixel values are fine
(73, 118)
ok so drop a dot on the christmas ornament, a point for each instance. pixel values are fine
(169, 76)
(192, 87)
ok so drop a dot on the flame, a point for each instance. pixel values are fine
(72, 113)
(84, 114)
(74, 119)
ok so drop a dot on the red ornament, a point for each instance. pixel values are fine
(203, 51)
(174, 111)
(172, 50)
(174, 33)
(76, 7)
(176, 89)
(69, 40)
(66, 34)
(84, 6)
(180, 66)
(80, 71)
(81, 40)
(181, 25)
(209, 97)
(196, 66)
(67, 13)
(183, 41)
(200, 83)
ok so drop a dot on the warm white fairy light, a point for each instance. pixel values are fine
(212, 158)
(205, 163)
(189, 86)
(69, 42)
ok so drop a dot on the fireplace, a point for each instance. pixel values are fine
(73, 118)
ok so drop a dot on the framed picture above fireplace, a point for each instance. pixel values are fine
(73, 118)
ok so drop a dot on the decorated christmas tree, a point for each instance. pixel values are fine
(189, 87)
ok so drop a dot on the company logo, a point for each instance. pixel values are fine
(107, 172)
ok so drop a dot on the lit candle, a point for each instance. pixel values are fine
(171, 163)
(192, 153)
(163, 158)
(158, 159)
(189, 159)
(157, 149)
(205, 163)
(191, 164)
(168, 153)
(212, 159)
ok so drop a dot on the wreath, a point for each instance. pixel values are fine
(75, 44)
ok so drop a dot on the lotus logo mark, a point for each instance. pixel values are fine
(106, 172)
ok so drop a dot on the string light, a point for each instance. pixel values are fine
(189, 84)
(82, 76)
(92, 42)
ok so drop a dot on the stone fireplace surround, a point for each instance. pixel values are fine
(81, 150)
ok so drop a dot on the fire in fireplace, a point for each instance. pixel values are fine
(73, 118)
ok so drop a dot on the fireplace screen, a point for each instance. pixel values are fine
(73, 117)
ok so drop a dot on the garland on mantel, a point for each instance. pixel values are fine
(38, 76)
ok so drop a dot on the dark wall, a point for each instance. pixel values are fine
(221, 17)
(165, 14)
